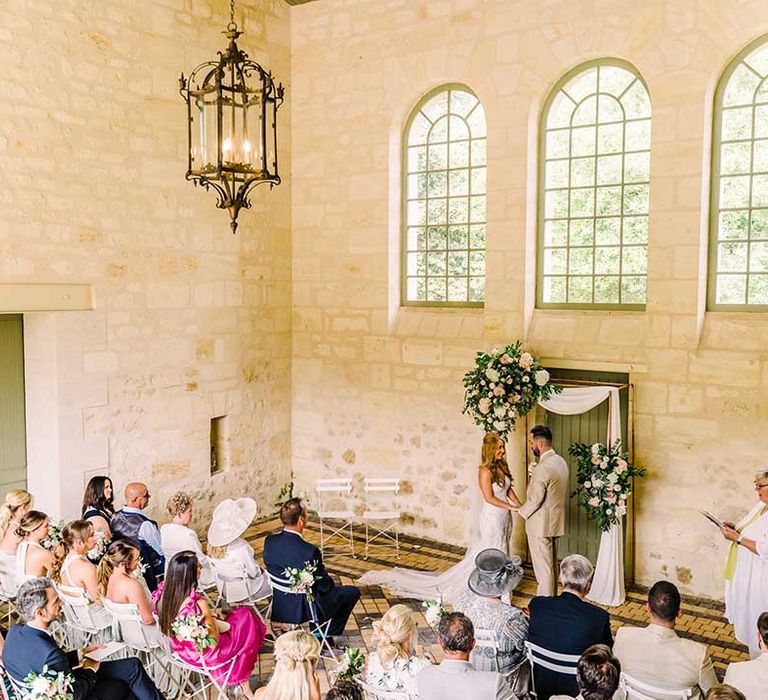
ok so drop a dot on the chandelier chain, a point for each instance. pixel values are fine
(231, 11)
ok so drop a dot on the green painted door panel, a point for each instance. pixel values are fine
(13, 443)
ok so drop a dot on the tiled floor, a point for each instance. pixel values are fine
(702, 619)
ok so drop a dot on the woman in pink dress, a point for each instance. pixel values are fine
(239, 636)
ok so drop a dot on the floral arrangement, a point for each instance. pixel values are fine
(302, 580)
(433, 611)
(49, 685)
(102, 542)
(139, 571)
(350, 665)
(503, 386)
(604, 476)
(54, 535)
(192, 628)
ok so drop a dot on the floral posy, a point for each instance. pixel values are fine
(503, 386)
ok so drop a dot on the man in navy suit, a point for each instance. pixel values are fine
(30, 648)
(567, 624)
(288, 549)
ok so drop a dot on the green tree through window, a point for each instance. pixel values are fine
(738, 259)
(444, 205)
(594, 175)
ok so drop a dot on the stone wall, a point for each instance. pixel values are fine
(190, 322)
(377, 388)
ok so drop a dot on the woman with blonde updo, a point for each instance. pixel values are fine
(32, 559)
(295, 674)
(393, 665)
(177, 536)
(16, 505)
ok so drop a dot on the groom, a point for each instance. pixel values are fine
(545, 508)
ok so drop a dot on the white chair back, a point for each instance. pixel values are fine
(79, 612)
(132, 630)
(233, 577)
(552, 660)
(487, 639)
(336, 493)
(388, 514)
(638, 690)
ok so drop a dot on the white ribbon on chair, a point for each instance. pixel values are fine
(608, 582)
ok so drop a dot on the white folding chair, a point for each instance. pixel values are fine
(637, 690)
(147, 643)
(387, 532)
(3, 685)
(552, 660)
(20, 689)
(236, 587)
(340, 490)
(283, 585)
(486, 640)
(204, 677)
(86, 623)
(372, 693)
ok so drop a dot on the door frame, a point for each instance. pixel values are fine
(629, 521)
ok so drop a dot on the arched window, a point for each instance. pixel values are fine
(593, 189)
(738, 255)
(444, 169)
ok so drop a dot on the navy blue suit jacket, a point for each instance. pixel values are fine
(289, 549)
(30, 649)
(565, 624)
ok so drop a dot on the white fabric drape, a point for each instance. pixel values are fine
(608, 582)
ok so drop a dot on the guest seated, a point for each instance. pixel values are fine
(655, 655)
(176, 536)
(98, 504)
(16, 505)
(131, 523)
(455, 678)
(597, 675)
(751, 677)
(32, 559)
(725, 692)
(288, 549)
(295, 674)
(72, 568)
(31, 647)
(231, 555)
(345, 689)
(237, 637)
(495, 575)
(120, 582)
(393, 665)
(567, 624)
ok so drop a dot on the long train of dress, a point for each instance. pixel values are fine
(494, 526)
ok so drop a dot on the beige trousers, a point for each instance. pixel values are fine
(544, 559)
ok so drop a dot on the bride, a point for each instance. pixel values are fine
(491, 526)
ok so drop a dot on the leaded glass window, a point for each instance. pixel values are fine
(594, 180)
(739, 215)
(444, 204)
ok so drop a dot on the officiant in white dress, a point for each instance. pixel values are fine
(746, 569)
(490, 528)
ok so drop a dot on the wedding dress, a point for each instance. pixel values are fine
(491, 528)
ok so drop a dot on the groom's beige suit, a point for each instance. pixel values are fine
(544, 512)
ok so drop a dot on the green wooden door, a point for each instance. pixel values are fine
(13, 442)
(581, 535)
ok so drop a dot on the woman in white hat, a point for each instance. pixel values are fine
(231, 555)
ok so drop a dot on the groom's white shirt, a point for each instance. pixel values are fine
(458, 680)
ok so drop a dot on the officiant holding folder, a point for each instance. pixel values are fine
(746, 568)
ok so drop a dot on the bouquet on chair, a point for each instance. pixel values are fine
(349, 666)
(302, 580)
(433, 611)
(192, 628)
(102, 542)
(49, 685)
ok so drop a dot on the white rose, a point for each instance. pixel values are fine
(608, 511)
(526, 378)
(499, 425)
(541, 377)
(594, 501)
(492, 374)
(596, 448)
(40, 685)
(621, 510)
(307, 578)
(500, 412)
(587, 484)
(597, 483)
(612, 478)
(617, 487)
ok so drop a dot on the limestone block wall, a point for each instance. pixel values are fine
(377, 387)
(190, 322)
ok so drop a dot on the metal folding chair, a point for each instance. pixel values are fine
(372, 693)
(552, 660)
(85, 623)
(637, 690)
(283, 585)
(204, 677)
(338, 489)
(387, 532)
(486, 639)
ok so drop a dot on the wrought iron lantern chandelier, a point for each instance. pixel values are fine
(232, 108)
